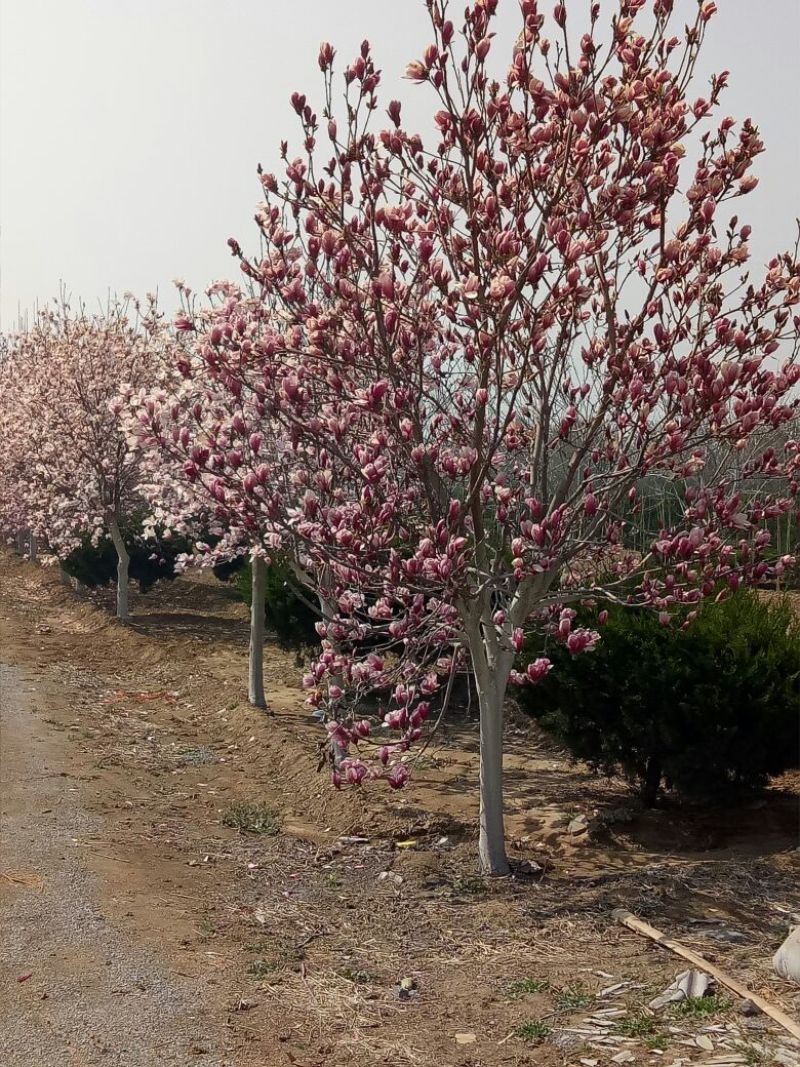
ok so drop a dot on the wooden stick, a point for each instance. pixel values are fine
(702, 964)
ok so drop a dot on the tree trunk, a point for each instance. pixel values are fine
(33, 546)
(123, 559)
(491, 688)
(255, 686)
(327, 609)
(651, 783)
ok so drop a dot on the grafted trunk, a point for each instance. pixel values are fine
(255, 685)
(492, 837)
(123, 560)
(491, 667)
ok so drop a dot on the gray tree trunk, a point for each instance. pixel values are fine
(33, 546)
(255, 686)
(328, 609)
(491, 666)
(123, 560)
(492, 838)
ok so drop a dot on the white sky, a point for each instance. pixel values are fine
(130, 129)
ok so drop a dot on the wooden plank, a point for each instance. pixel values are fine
(702, 964)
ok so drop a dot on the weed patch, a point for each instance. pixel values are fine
(534, 1030)
(251, 819)
(524, 986)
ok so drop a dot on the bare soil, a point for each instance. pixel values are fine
(237, 949)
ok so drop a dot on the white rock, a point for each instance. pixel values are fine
(688, 984)
(786, 960)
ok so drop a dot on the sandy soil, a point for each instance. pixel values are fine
(77, 989)
(287, 948)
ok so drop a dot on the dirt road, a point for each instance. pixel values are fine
(76, 991)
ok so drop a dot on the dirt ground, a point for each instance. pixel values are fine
(138, 928)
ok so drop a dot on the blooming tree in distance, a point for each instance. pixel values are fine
(68, 471)
(211, 466)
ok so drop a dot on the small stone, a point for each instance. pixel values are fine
(754, 1025)
(529, 867)
(465, 1039)
(406, 988)
(564, 1040)
(704, 1041)
(244, 1005)
(747, 1007)
(578, 825)
(626, 1056)
(724, 934)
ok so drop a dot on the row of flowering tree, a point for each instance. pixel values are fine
(455, 367)
(71, 470)
(209, 459)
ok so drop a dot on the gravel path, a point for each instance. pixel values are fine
(74, 991)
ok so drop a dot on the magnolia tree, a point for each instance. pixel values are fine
(478, 354)
(67, 470)
(12, 463)
(216, 465)
(212, 467)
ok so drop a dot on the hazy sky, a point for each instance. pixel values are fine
(130, 129)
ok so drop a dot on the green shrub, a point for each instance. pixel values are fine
(150, 561)
(712, 708)
(287, 613)
(229, 568)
